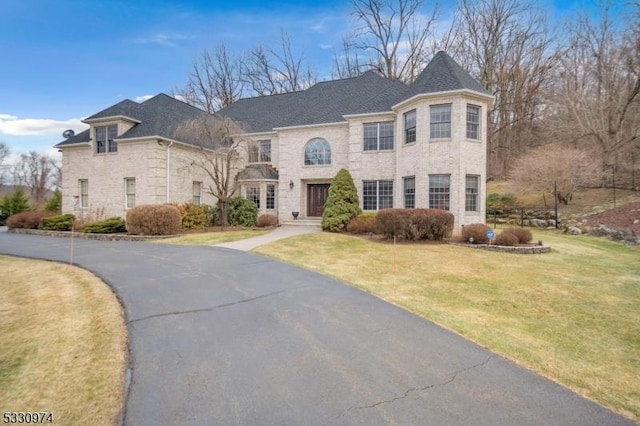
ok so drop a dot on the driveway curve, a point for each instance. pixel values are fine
(219, 336)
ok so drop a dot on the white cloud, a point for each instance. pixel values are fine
(325, 46)
(142, 98)
(15, 126)
(162, 39)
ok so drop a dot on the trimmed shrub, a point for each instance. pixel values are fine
(27, 220)
(524, 235)
(194, 216)
(267, 220)
(241, 212)
(506, 238)
(55, 203)
(363, 224)
(154, 219)
(62, 222)
(342, 203)
(477, 231)
(415, 224)
(110, 225)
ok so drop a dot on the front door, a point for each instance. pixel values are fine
(316, 197)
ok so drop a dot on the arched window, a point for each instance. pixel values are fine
(317, 152)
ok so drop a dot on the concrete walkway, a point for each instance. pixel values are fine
(223, 337)
(279, 233)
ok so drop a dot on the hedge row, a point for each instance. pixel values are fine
(415, 224)
(27, 220)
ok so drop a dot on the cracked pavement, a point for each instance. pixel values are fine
(218, 336)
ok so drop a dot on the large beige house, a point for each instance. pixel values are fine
(419, 145)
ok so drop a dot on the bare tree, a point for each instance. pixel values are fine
(394, 33)
(37, 173)
(346, 61)
(215, 80)
(5, 151)
(596, 97)
(505, 44)
(538, 170)
(267, 71)
(219, 145)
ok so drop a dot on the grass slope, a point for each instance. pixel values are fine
(62, 343)
(572, 315)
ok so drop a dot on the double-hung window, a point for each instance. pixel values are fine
(253, 194)
(197, 193)
(409, 189)
(472, 186)
(440, 123)
(378, 136)
(83, 185)
(106, 139)
(377, 194)
(130, 192)
(439, 191)
(410, 126)
(260, 151)
(271, 197)
(473, 122)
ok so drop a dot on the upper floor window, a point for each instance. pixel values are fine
(260, 151)
(440, 121)
(105, 139)
(378, 136)
(317, 152)
(473, 122)
(410, 126)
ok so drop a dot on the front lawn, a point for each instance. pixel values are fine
(212, 238)
(62, 344)
(572, 315)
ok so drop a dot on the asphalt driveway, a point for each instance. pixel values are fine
(219, 336)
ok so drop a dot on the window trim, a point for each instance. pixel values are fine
(378, 195)
(432, 122)
(410, 133)
(446, 195)
(470, 123)
(467, 194)
(406, 194)
(127, 194)
(325, 158)
(378, 136)
(196, 199)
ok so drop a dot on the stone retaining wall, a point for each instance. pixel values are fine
(507, 249)
(89, 236)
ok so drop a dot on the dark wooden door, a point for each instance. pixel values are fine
(316, 197)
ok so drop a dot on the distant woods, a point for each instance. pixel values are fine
(574, 84)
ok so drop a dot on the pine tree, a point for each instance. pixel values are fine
(55, 203)
(342, 203)
(12, 204)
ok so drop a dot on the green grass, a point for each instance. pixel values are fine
(572, 315)
(211, 238)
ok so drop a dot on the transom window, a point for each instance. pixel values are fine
(410, 126)
(271, 197)
(473, 122)
(472, 186)
(253, 194)
(105, 139)
(439, 191)
(378, 136)
(197, 193)
(409, 189)
(317, 152)
(130, 192)
(260, 151)
(377, 194)
(440, 121)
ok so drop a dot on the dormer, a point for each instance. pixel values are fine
(107, 125)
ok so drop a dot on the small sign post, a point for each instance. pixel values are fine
(490, 235)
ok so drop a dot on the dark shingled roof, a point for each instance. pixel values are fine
(158, 116)
(443, 74)
(324, 102)
(258, 171)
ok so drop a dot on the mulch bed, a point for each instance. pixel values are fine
(625, 218)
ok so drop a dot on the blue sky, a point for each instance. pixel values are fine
(62, 60)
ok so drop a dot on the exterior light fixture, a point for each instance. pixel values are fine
(470, 240)
(290, 184)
